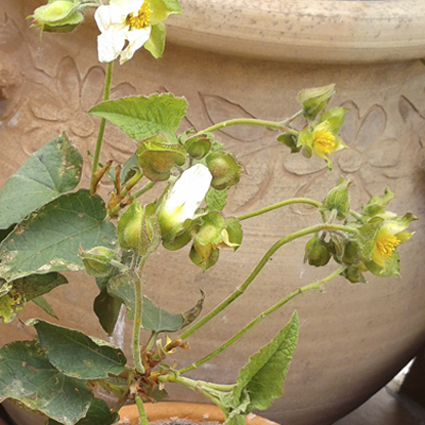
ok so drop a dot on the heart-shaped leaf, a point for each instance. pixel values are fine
(27, 376)
(76, 354)
(50, 239)
(143, 117)
(52, 170)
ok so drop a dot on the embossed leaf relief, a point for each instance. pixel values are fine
(65, 98)
(371, 161)
(414, 120)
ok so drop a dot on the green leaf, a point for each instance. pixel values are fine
(153, 318)
(265, 373)
(216, 199)
(106, 307)
(49, 172)
(144, 117)
(50, 239)
(98, 414)
(44, 305)
(27, 289)
(27, 376)
(36, 285)
(76, 354)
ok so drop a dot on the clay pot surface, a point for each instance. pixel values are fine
(353, 338)
(190, 412)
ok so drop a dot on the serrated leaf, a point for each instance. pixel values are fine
(27, 376)
(99, 413)
(49, 172)
(265, 373)
(153, 318)
(144, 117)
(216, 199)
(50, 239)
(76, 354)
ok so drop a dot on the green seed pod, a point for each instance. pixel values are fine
(129, 227)
(97, 261)
(317, 252)
(57, 16)
(338, 199)
(224, 168)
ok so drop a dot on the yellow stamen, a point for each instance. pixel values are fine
(386, 245)
(142, 20)
(324, 141)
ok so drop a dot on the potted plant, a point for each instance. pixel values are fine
(63, 229)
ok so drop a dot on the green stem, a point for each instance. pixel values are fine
(143, 420)
(241, 289)
(106, 94)
(138, 291)
(144, 189)
(151, 341)
(249, 121)
(209, 390)
(315, 285)
(278, 205)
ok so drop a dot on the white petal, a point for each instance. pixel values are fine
(189, 191)
(102, 17)
(136, 39)
(126, 6)
(110, 44)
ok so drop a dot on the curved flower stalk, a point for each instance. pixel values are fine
(128, 25)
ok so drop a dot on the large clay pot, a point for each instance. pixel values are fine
(233, 58)
(188, 412)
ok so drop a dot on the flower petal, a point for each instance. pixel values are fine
(189, 191)
(136, 39)
(110, 44)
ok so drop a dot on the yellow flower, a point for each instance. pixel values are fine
(390, 236)
(324, 142)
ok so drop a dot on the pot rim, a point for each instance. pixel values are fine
(193, 411)
(323, 31)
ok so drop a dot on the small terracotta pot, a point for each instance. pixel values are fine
(190, 411)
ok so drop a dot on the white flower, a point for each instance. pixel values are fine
(120, 22)
(185, 197)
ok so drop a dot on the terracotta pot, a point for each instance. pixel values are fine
(233, 58)
(189, 411)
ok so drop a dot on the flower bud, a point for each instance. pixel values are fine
(314, 100)
(338, 199)
(97, 261)
(224, 168)
(57, 16)
(317, 252)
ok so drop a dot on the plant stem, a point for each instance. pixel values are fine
(278, 205)
(143, 420)
(138, 291)
(241, 289)
(106, 94)
(209, 390)
(249, 121)
(144, 189)
(315, 285)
